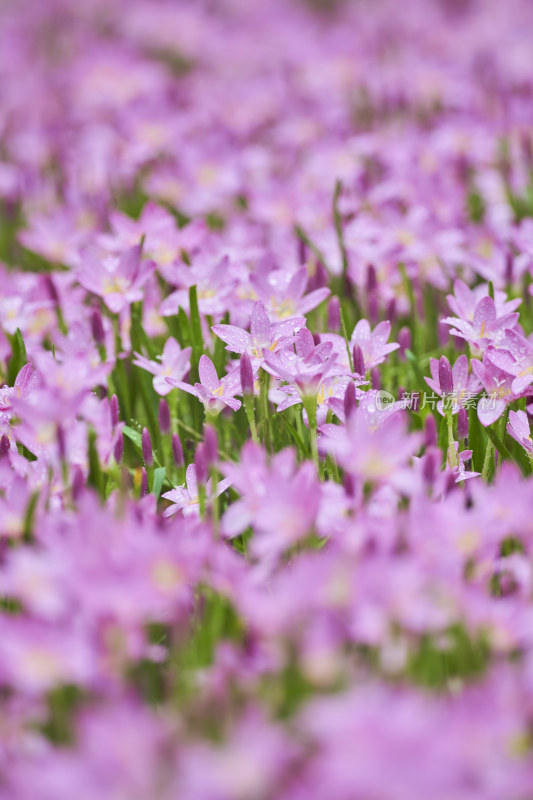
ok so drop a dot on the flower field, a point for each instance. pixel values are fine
(266, 381)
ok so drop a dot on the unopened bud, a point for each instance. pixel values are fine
(371, 279)
(247, 374)
(177, 450)
(78, 482)
(430, 466)
(5, 446)
(114, 409)
(445, 376)
(462, 424)
(164, 416)
(97, 326)
(144, 483)
(358, 360)
(200, 463)
(334, 314)
(349, 400)
(430, 431)
(404, 340)
(118, 451)
(375, 378)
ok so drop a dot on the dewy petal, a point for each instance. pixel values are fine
(361, 334)
(297, 284)
(490, 409)
(185, 387)
(521, 383)
(312, 300)
(485, 312)
(236, 519)
(260, 326)
(460, 372)
(519, 422)
(208, 374)
(381, 332)
(190, 478)
(236, 339)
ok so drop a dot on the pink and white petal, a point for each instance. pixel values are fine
(208, 374)
(490, 409)
(236, 519)
(260, 327)
(312, 300)
(236, 339)
(460, 372)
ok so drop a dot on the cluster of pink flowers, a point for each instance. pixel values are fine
(234, 236)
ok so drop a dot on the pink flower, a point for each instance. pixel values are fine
(518, 428)
(515, 356)
(487, 326)
(307, 367)
(174, 362)
(185, 498)
(263, 335)
(284, 294)
(465, 386)
(118, 280)
(212, 392)
(373, 344)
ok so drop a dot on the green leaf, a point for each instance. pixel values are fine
(18, 356)
(195, 324)
(134, 436)
(502, 449)
(157, 483)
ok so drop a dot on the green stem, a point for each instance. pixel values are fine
(248, 400)
(452, 455)
(489, 452)
(310, 408)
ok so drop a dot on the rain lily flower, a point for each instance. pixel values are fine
(373, 343)
(284, 295)
(174, 362)
(186, 498)
(212, 392)
(118, 280)
(307, 367)
(464, 388)
(486, 327)
(518, 428)
(263, 335)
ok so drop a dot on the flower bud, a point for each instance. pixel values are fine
(445, 376)
(144, 483)
(114, 409)
(164, 416)
(358, 360)
(177, 450)
(78, 482)
(430, 465)
(200, 463)
(375, 378)
(462, 424)
(247, 375)
(349, 400)
(334, 314)
(371, 279)
(5, 445)
(430, 431)
(404, 340)
(97, 326)
(118, 451)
